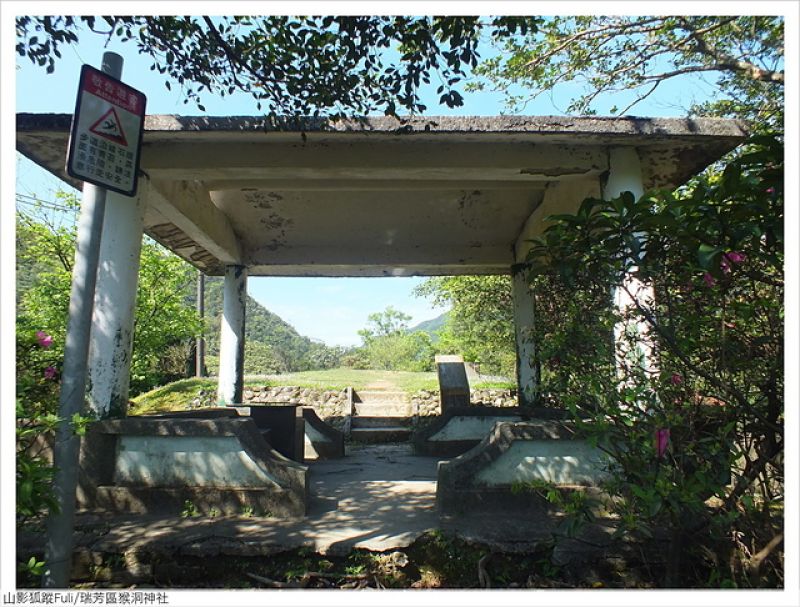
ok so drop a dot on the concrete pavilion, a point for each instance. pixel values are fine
(239, 196)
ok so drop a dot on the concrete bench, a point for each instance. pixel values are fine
(462, 428)
(214, 459)
(486, 477)
(322, 441)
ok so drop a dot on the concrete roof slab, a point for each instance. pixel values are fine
(375, 196)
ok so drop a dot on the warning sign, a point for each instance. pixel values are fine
(109, 127)
(106, 136)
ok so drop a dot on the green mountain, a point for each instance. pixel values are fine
(271, 344)
(432, 326)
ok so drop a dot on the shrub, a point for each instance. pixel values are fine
(689, 402)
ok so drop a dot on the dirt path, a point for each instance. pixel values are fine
(382, 384)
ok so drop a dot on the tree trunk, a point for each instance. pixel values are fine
(672, 575)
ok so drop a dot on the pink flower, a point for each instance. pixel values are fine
(734, 257)
(50, 373)
(676, 379)
(725, 266)
(44, 339)
(709, 280)
(662, 440)
(770, 190)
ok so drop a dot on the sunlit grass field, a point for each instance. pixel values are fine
(178, 395)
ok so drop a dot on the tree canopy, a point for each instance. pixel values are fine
(480, 325)
(165, 321)
(389, 344)
(291, 65)
(335, 65)
(609, 55)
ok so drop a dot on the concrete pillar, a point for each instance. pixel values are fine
(200, 345)
(111, 342)
(625, 175)
(527, 370)
(231, 339)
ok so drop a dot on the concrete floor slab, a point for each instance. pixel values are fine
(378, 497)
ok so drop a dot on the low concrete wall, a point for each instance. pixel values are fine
(453, 385)
(462, 428)
(483, 478)
(214, 459)
(282, 425)
(562, 462)
(321, 440)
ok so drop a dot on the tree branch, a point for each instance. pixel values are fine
(754, 566)
(723, 61)
(740, 398)
(587, 34)
(233, 58)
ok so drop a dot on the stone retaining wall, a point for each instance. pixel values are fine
(426, 402)
(332, 406)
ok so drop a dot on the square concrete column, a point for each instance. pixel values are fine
(231, 340)
(625, 175)
(111, 344)
(527, 369)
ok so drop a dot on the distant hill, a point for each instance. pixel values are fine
(431, 326)
(271, 339)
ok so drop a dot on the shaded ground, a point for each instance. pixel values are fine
(379, 499)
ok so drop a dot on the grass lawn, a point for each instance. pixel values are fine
(177, 395)
(358, 379)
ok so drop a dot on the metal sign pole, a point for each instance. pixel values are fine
(60, 525)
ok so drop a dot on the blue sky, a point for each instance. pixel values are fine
(328, 309)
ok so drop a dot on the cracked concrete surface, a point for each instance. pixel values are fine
(379, 497)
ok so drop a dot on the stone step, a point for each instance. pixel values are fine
(359, 421)
(382, 410)
(380, 396)
(388, 434)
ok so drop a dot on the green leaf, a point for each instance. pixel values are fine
(706, 255)
(655, 507)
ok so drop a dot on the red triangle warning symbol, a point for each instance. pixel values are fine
(110, 127)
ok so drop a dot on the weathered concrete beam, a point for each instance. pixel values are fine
(672, 149)
(559, 197)
(390, 254)
(364, 160)
(367, 270)
(370, 185)
(189, 207)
